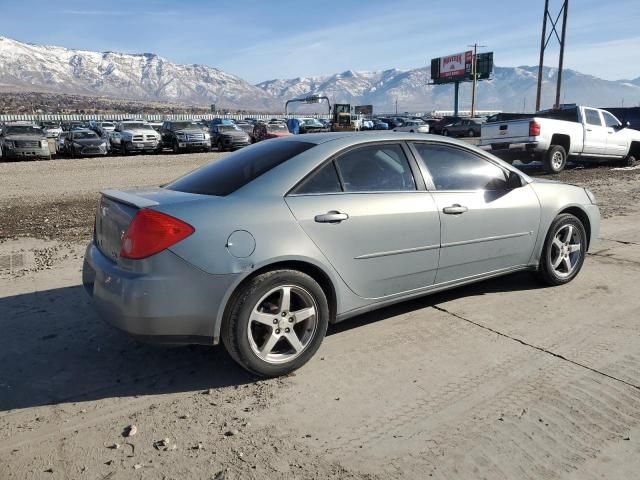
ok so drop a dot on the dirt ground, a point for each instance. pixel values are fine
(500, 380)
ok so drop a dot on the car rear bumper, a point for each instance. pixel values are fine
(167, 301)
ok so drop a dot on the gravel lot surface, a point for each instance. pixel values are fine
(499, 380)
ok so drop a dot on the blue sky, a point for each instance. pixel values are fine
(261, 40)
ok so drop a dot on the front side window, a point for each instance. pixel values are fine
(453, 168)
(609, 120)
(376, 168)
(592, 117)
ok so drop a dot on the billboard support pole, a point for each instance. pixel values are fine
(456, 88)
(561, 60)
(544, 42)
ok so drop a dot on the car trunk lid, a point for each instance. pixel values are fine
(118, 207)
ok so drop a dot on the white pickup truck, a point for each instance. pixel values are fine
(553, 136)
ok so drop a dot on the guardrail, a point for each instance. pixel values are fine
(149, 117)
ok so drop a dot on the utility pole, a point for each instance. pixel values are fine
(544, 42)
(474, 72)
(396, 105)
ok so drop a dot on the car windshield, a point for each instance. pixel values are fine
(227, 128)
(107, 125)
(277, 127)
(136, 126)
(311, 122)
(50, 125)
(23, 130)
(184, 125)
(80, 135)
(228, 174)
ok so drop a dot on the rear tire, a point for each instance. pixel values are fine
(555, 159)
(629, 161)
(471, 133)
(258, 324)
(564, 250)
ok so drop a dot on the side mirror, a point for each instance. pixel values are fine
(514, 180)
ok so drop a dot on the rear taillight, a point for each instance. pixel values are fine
(534, 128)
(151, 232)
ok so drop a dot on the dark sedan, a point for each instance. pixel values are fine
(86, 142)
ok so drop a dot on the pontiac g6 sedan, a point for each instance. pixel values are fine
(267, 246)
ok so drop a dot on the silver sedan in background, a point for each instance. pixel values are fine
(267, 246)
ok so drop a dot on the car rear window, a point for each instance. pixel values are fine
(225, 176)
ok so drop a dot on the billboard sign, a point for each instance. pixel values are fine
(459, 67)
(456, 65)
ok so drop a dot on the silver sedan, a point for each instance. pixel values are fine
(267, 246)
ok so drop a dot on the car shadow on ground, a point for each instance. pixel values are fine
(54, 349)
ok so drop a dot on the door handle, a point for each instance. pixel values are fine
(331, 217)
(588, 130)
(455, 209)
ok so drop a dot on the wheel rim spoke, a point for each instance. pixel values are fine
(569, 234)
(268, 346)
(557, 242)
(285, 303)
(263, 318)
(294, 341)
(557, 261)
(301, 315)
(574, 248)
(567, 263)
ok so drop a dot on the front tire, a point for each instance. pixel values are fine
(555, 159)
(445, 132)
(564, 250)
(471, 133)
(276, 322)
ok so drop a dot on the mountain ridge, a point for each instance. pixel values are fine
(151, 77)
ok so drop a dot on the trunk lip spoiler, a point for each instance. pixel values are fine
(129, 198)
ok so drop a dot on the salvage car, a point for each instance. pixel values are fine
(51, 129)
(554, 136)
(262, 249)
(21, 140)
(228, 137)
(464, 127)
(134, 136)
(265, 131)
(185, 135)
(413, 126)
(82, 143)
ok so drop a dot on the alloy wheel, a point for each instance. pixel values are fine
(282, 324)
(556, 160)
(566, 250)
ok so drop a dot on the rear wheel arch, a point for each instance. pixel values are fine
(563, 140)
(315, 272)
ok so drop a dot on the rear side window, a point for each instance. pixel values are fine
(376, 168)
(592, 117)
(225, 176)
(325, 180)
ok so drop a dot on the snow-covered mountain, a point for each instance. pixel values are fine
(512, 89)
(27, 67)
(141, 77)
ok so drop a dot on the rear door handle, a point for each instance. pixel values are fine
(455, 209)
(331, 217)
